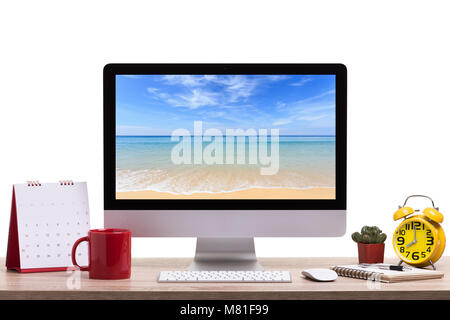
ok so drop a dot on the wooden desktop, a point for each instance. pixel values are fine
(143, 284)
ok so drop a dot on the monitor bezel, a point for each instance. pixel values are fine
(109, 137)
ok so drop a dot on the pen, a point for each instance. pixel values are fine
(384, 266)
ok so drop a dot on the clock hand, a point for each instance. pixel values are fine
(422, 237)
(411, 243)
(415, 239)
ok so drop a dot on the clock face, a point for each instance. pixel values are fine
(415, 240)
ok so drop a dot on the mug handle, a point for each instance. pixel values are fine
(74, 250)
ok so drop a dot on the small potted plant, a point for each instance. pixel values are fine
(370, 244)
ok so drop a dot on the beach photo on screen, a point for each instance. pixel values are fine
(225, 136)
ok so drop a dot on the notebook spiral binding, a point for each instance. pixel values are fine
(66, 183)
(33, 183)
(358, 274)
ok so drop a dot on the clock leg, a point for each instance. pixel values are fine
(400, 263)
(432, 265)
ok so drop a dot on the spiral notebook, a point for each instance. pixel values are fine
(376, 274)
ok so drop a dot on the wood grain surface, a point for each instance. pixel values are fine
(143, 284)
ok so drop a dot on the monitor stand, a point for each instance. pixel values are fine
(213, 254)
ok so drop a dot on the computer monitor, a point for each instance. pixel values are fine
(225, 153)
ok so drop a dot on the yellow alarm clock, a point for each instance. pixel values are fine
(419, 240)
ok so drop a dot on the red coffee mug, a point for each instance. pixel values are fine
(109, 253)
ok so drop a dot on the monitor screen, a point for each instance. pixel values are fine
(225, 136)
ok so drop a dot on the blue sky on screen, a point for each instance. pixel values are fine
(159, 104)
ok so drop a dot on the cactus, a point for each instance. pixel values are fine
(369, 235)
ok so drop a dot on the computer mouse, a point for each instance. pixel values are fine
(320, 274)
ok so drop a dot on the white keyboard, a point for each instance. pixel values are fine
(224, 276)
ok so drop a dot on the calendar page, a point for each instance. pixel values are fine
(50, 218)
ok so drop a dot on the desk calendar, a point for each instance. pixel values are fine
(46, 220)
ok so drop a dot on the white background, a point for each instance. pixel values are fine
(398, 59)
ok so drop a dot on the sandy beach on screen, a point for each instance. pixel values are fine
(254, 193)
